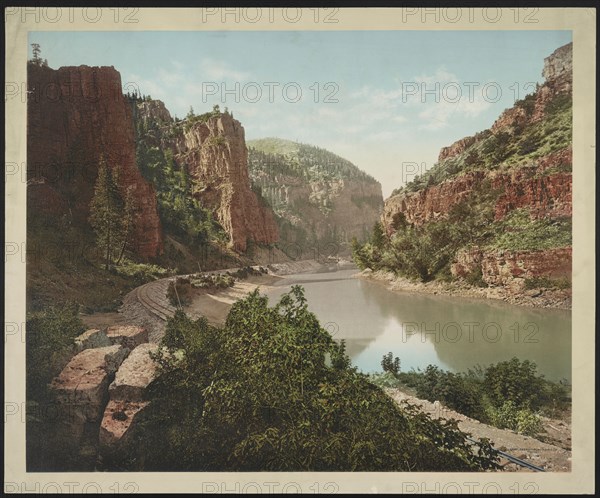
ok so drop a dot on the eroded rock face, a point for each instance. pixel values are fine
(129, 336)
(93, 338)
(135, 374)
(81, 389)
(75, 117)
(127, 397)
(430, 203)
(511, 268)
(216, 156)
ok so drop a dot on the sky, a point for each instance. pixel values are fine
(385, 100)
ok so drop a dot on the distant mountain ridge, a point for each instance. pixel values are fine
(318, 197)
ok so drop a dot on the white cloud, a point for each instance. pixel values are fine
(216, 70)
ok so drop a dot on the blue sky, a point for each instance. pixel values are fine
(381, 99)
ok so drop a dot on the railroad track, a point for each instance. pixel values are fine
(152, 296)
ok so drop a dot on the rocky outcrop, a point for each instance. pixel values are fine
(213, 151)
(545, 195)
(320, 199)
(77, 116)
(559, 63)
(510, 268)
(127, 398)
(128, 336)
(533, 187)
(456, 148)
(431, 203)
(81, 389)
(541, 184)
(217, 158)
(558, 73)
(93, 338)
(344, 207)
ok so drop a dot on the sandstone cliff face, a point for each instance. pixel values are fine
(546, 195)
(216, 158)
(511, 268)
(76, 116)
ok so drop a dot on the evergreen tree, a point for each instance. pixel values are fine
(106, 213)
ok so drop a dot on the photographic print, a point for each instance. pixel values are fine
(321, 248)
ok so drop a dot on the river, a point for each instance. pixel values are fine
(450, 332)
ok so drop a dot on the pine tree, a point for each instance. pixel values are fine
(106, 213)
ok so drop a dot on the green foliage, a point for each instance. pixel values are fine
(180, 213)
(141, 272)
(273, 391)
(475, 278)
(49, 344)
(192, 119)
(425, 252)
(506, 149)
(458, 391)
(512, 380)
(508, 394)
(521, 420)
(111, 216)
(547, 283)
(519, 232)
(390, 364)
(179, 292)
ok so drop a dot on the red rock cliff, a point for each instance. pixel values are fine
(543, 185)
(75, 116)
(216, 157)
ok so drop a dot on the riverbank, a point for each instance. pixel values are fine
(535, 298)
(550, 457)
(215, 305)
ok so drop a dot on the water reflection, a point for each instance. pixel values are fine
(453, 333)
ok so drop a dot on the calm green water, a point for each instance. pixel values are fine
(453, 333)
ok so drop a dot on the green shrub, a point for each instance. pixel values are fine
(521, 420)
(49, 344)
(518, 232)
(141, 272)
(390, 364)
(547, 283)
(475, 278)
(272, 391)
(513, 380)
(179, 292)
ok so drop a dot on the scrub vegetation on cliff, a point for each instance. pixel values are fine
(520, 146)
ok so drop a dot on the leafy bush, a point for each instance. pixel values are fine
(49, 344)
(273, 391)
(521, 420)
(141, 272)
(508, 394)
(547, 283)
(475, 278)
(512, 380)
(179, 292)
(456, 391)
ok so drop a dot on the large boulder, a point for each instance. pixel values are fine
(129, 336)
(135, 374)
(81, 389)
(127, 399)
(93, 338)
